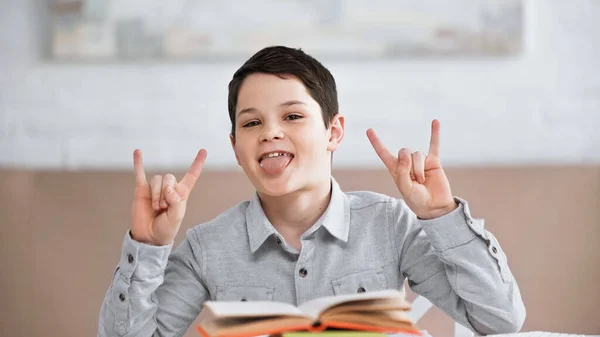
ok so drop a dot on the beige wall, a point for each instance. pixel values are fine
(61, 237)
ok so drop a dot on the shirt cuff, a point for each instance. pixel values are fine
(142, 261)
(453, 229)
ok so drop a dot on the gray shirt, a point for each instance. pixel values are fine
(364, 241)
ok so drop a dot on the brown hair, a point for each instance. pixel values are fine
(284, 61)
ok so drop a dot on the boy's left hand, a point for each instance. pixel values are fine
(420, 178)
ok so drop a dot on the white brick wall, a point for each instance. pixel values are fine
(540, 107)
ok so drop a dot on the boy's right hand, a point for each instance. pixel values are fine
(159, 206)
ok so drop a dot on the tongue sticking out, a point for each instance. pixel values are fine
(275, 165)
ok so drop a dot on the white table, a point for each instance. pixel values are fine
(542, 334)
(520, 334)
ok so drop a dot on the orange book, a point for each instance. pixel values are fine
(381, 311)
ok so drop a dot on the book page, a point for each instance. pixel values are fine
(222, 309)
(316, 307)
(369, 306)
(267, 326)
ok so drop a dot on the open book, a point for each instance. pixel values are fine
(380, 311)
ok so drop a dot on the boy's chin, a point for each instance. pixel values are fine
(275, 187)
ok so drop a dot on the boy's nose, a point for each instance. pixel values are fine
(271, 133)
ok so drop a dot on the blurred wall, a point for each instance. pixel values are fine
(519, 135)
(540, 107)
(62, 233)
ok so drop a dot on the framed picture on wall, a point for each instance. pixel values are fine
(134, 30)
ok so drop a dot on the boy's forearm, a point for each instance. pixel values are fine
(463, 270)
(128, 308)
(161, 292)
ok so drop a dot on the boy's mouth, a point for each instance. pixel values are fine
(274, 155)
(275, 162)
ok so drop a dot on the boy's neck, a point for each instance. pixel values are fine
(294, 213)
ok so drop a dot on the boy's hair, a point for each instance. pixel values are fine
(283, 62)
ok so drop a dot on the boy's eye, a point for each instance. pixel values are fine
(249, 124)
(293, 117)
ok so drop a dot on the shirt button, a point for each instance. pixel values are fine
(494, 250)
(361, 290)
(303, 272)
(129, 258)
(278, 240)
(122, 297)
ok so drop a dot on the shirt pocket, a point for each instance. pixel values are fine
(359, 283)
(244, 293)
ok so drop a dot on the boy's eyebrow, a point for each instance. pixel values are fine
(290, 103)
(282, 105)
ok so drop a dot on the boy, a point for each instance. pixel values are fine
(301, 237)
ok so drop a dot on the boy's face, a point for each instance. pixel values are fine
(281, 141)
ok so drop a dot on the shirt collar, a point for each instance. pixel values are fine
(336, 218)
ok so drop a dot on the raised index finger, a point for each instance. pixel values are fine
(434, 144)
(138, 168)
(388, 159)
(190, 178)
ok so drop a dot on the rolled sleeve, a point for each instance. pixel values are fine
(451, 230)
(458, 228)
(142, 261)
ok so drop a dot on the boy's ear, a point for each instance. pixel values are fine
(232, 139)
(336, 132)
